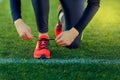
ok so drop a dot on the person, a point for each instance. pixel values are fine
(24, 30)
(75, 19)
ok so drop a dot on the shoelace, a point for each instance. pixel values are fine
(43, 43)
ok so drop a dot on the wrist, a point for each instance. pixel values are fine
(74, 32)
(18, 21)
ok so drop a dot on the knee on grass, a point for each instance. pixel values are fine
(76, 43)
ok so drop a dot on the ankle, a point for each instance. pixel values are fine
(42, 34)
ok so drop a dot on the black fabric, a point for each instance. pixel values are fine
(73, 11)
(15, 9)
(41, 9)
(90, 11)
(75, 14)
(78, 17)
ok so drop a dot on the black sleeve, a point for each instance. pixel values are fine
(90, 11)
(15, 6)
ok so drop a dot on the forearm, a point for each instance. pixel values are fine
(90, 11)
(15, 6)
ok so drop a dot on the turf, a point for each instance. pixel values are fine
(101, 41)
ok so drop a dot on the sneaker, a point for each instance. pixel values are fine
(58, 28)
(61, 21)
(42, 50)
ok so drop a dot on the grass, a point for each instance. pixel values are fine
(101, 41)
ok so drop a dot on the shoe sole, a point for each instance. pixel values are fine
(41, 57)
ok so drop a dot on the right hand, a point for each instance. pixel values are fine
(67, 37)
(23, 30)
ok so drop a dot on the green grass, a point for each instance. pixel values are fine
(101, 41)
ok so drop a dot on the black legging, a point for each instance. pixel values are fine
(74, 11)
(41, 8)
(75, 15)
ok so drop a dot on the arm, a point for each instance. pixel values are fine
(67, 37)
(15, 6)
(23, 30)
(90, 11)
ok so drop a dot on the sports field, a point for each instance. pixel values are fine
(98, 58)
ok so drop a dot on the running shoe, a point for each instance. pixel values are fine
(61, 21)
(41, 50)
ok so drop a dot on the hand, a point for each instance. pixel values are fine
(67, 37)
(23, 30)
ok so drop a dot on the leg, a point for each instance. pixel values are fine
(41, 8)
(73, 11)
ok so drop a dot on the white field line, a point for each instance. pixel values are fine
(58, 61)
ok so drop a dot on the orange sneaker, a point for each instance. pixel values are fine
(42, 50)
(58, 27)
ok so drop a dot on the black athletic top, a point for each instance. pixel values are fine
(15, 9)
(91, 9)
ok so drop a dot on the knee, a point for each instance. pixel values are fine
(76, 43)
(73, 46)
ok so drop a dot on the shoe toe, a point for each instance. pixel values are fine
(44, 53)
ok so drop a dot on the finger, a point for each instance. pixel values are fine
(58, 37)
(62, 44)
(24, 36)
(28, 38)
(29, 35)
(60, 40)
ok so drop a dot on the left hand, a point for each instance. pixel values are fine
(67, 37)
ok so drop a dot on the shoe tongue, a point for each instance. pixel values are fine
(44, 36)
